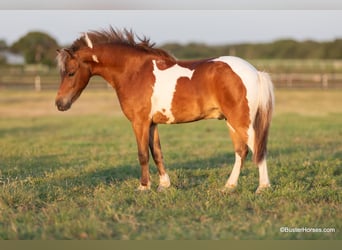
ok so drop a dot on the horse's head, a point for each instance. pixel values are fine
(75, 75)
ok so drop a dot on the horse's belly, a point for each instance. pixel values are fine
(187, 112)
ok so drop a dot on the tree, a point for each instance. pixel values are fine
(3, 45)
(36, 47)
(333, 49)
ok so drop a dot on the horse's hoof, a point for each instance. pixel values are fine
(162, 189)
(263, 188)
(229, 189)
(144, 188)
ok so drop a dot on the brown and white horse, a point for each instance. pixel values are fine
(155, 88)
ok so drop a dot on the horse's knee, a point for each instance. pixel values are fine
(143, 158)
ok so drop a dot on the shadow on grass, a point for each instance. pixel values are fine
(29, 167)
(125, 172)
(64, 179)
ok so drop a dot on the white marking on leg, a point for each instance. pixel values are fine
(264, 181)
(165, 87)
(164, 181)
(234, 176)
(88, 41)
(95, 59)
(144, 188)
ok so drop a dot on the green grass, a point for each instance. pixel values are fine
(74, 175)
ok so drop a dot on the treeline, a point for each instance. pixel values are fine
(40, 48)
(35, 47)
(280, 49)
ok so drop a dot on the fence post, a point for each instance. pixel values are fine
(289, 80)
(325, 79)
(37, 84)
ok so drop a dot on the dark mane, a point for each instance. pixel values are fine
(115, 36)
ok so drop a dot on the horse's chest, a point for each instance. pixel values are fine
(164, 90)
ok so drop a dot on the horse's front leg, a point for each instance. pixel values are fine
(154, 142)
(142, 130)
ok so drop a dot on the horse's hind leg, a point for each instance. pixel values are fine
(154, 143)
(264, 181)
(241, 151)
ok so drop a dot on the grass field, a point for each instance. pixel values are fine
(73, 175)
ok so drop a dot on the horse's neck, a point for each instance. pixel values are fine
(117, 64)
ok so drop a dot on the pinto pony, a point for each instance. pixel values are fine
(155, 88)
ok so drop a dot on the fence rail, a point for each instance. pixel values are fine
(307, 80)
(293, 80)
(42, 82)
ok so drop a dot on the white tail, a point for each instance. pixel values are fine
(266, 95)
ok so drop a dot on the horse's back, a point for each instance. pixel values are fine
(246, 71)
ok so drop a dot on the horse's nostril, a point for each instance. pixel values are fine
(58, 103)
(62, 106)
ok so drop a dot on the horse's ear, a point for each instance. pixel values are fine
(65, 51)
(69, 52)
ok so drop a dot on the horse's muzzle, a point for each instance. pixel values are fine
(63, 105)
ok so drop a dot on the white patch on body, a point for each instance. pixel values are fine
(165, 87)
(250, 78)
(88, 41)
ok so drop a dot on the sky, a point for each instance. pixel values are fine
(182, 21)
(182, 26)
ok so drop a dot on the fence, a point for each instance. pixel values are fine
(42, 82)
(307, 80)
(293, 80)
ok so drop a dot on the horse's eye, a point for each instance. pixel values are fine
(70, 74)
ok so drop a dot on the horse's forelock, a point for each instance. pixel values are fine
(60, 62)
(61, 58)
